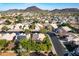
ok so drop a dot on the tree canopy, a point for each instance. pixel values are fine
(4, 28)
(31, 45)
(2, 43)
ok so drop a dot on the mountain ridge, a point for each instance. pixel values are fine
(35, 8)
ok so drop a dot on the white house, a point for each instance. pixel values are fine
(7, 36)
(54, 25)
(66, 28)
(2, 21)
(73, 37)
(41, 36)
(38, 36)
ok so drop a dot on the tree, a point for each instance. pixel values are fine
(37, 47)
(19, 18)
(4, 28)
(47, 42)
(3, 17)
(24, 26)
(43, 30)
(49, 28)
(27, 30)
(32, 26)
(43, 47)
(7, 22)
(25, 44)
(20, 27)
(31, 45)
(25, 47)
(3, 43)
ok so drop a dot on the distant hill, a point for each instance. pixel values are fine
(33, 8)
(13, 10)
(66, 10)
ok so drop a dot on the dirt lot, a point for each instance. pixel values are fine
(8, 53)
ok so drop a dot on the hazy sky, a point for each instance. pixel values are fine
(49, 6)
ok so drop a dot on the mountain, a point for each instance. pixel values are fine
(28, 9)
(13, 10)
(66, 10)
(33, 8)
(36, 9)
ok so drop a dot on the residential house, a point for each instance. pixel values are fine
(22, 36)
(2, 21)
(73, 38)
(7, 36)
(54, 25)
(38, 36)
(63, 31)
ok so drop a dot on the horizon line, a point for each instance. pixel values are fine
(39, 8)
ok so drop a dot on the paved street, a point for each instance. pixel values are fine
(57, 45)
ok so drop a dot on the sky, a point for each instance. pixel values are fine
(45, 6)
